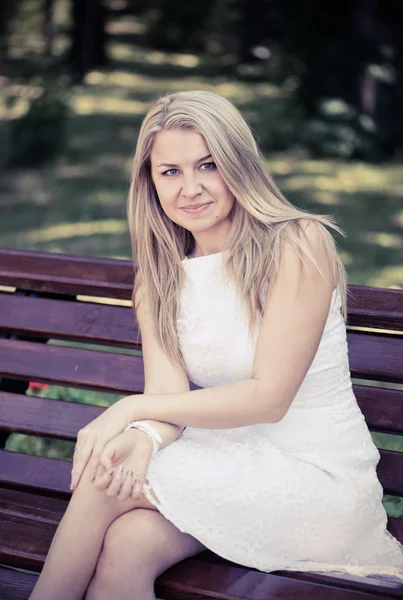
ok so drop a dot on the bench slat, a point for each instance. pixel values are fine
(382, 408)
(382, 360)
(72, 274)
(194, 579)
(50, 476)
(375, 356)
(390, 472)
(81, 321)
(200, 580)
(102, 371)
(66, 273)
(375, 307)
(33, 415)
(31, 507)
(16, 585)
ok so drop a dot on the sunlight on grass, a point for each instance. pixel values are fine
(386, 240)
(121, 51)
(389, 277)
(88, 104)
(325, 197)
(129, 26)
(398, 218)
(124, 80)
(72, 230)
(346, 258)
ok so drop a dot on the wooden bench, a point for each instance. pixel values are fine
(54, 299)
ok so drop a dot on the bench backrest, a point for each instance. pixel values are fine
(56, 297)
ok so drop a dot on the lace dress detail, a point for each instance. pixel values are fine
(301, 494)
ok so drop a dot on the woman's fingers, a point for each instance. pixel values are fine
(127, 485)
(117, 479)
(94, 461)
(137, 487)
(82, 453)
(113, 452)
(102, 479)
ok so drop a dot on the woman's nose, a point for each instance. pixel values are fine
(191, 187)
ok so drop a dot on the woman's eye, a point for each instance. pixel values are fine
(170, 172)
(208, 166)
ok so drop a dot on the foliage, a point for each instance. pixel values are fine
(339, 131)
(40, 135)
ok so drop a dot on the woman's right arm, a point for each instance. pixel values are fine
(161, 375)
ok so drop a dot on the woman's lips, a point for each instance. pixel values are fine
(198, 210)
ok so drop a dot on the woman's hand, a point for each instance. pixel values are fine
(124, 464)
(92, 439)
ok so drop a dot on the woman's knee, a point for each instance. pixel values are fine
(87, 495)
(144, 540)
(132, 536)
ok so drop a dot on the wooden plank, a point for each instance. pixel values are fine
(16, 585)
(74, 321)
(31, 507)
(375, 356)
(33, 415)
(51, 476)
(195, 579)
(230, 583)
(395, 526)
(47, 476)
(72, 274)
(381, 360)
(75, 367)
(381, 407)
(375, 307)
(390, 472)
(66, 273)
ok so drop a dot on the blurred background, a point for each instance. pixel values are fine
(320, 82)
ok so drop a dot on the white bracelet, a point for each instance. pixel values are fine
(149, 430)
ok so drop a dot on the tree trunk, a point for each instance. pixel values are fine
(48, 32)
(88, 37)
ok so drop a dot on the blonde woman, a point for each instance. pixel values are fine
(270, 464)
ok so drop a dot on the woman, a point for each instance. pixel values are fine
(270, 464)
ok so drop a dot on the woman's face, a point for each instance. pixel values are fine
(185, 178)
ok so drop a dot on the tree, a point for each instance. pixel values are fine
(88, 48)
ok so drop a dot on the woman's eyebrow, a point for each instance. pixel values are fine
(197, 161)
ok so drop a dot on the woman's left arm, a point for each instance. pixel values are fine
(295, 315)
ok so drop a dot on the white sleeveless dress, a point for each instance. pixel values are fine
(301, 494)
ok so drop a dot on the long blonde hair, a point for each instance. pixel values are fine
(262, 219)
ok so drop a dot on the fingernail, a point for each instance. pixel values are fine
(121, 468)
(92, 477)
(111, 473)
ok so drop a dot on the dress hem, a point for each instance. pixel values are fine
(388, 575)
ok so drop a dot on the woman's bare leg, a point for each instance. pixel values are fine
(138, 546)
(75, 548)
